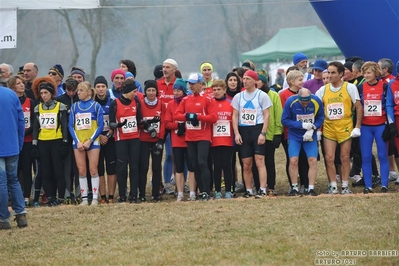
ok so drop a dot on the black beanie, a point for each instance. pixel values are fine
(128, 86)
(101, 80)
(158, 73)
(150, 84)
(58, 69)
(46, 86)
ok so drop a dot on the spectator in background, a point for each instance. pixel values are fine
(30, 73)
(206, 69)
(78, 73)
(300, 60)
(248, 64)
(158, 74)
(118, 76)
(279, 78)
(57, 74)
(317, 82)
(129, 66)
(7, 72)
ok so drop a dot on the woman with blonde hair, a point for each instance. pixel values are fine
(85, 125)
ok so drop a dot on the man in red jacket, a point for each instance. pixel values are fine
(199, 113)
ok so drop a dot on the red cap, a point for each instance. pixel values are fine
(116, 72)
(252, 74)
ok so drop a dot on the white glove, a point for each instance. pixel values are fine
(355, 133)
(319, 134)
(307, 126)
(308, 136)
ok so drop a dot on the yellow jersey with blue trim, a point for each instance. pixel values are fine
(49, 125)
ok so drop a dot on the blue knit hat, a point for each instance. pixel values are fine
(180, 84)
(298, 57)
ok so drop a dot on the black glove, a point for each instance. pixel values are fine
(386, 134)
(191, 116)
(158, 147)
(155, 119)
(34, 152)
(181, 129)
(393, 130)
(64, 151)
(276, 141)
(114, 125)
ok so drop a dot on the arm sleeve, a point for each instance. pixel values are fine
(180, 113)
(64, 122)
(390, 104)
(21, 124)
(162, 122)
(36, 126)
(278, 112)
(319, 116)
(29, 130)
(209, 115)
(169, 122)
(112, 111)
(100, 122)
(71, 124)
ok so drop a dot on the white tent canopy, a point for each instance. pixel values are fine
(49, 4)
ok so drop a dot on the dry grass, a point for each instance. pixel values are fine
(271, 231)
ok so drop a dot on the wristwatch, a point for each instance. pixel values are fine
(108, 135)
(263, 133)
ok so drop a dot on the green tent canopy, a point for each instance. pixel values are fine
(311, 41)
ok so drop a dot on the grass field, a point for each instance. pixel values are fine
(271, 231)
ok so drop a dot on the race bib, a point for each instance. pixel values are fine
(48, 120)
(155, 125)
(106, 122)
(83, 121)
(221, 128)
(309, 118)
(248, 117)
(130, 126)
(335, 111)
(372, 108)
(27, 119)
(191, 127)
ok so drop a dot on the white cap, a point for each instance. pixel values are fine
(171, 61)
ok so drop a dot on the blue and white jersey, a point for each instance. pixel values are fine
(250, 107)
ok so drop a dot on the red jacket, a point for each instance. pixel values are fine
(128, 112)
(172, 124)
(222, 130)
(284, 95)
(202, 106)
(149, 112)
(165, 91)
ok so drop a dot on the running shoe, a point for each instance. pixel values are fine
(346, 191)
(218, 195)
(293, 192)
(247, 195)
(367, 190)
(384, 190)
(313, 193)
(260, 194)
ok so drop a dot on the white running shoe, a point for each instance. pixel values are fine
(392, 176)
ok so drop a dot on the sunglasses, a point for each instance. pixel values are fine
(51, 73)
